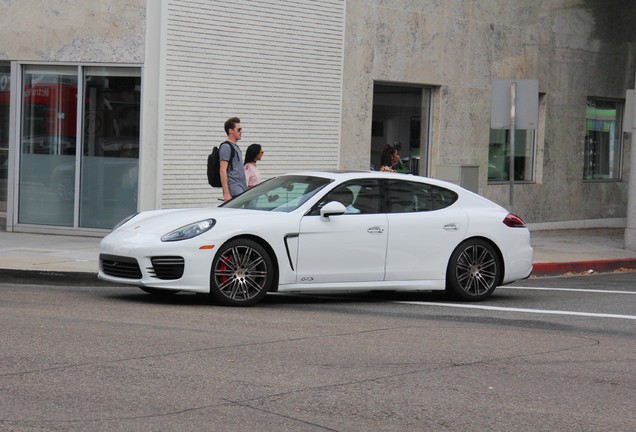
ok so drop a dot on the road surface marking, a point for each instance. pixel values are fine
(567, 289)
(522, 310)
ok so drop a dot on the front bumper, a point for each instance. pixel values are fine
(143, 260)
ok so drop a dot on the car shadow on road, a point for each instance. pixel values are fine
(283, 299)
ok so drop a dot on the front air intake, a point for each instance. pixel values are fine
(119, 266)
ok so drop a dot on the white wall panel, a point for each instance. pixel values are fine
(275, 64)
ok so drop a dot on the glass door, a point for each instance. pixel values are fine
(5, 88)
(47, 147)
(110, 148)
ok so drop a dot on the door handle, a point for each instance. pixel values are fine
(451, 227)
(375, 230)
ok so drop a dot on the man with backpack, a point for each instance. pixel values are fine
(231, 168)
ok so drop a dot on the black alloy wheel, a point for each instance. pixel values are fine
(474, 270)
(242, 273)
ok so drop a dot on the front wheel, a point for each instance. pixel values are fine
(474, 270)
(242, 273)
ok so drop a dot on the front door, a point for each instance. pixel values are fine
(344, 248)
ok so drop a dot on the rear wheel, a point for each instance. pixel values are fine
(474, 270)
(242, 273)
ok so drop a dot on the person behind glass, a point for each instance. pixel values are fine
(253, 154)
(231, 171)
(390, 156)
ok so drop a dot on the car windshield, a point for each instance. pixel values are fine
(280, 194)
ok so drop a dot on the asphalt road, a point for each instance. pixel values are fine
(544, 355)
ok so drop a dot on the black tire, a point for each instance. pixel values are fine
(474, 271)
(159, 292)
(242, 273)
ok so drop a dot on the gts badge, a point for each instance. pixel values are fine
(307, 279)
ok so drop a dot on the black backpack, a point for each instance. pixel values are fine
(214, 165)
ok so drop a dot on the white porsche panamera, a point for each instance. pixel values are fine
(324, 232)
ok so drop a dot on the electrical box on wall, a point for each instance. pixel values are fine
(466, 176)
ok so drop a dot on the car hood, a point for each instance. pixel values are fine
(161, 222)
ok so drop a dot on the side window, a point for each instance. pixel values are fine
(603, 140)
(406, 197)
(358, 196)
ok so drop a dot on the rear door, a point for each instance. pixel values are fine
(425, 225)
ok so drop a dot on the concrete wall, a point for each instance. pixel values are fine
(73, 31)
(574, 48)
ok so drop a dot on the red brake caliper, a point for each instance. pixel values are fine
(222, 269)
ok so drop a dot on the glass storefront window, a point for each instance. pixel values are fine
(110, 153)
(603, 145)
(5, 87)
(79, 164)
(499, 155)
(48, 143)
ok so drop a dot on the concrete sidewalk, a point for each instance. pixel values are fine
(62, 259)
(558, 252)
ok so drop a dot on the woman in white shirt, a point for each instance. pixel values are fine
(253, 154)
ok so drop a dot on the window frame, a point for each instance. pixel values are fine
(362, 182)
(618, 161)
(506, 145)
(436, 195)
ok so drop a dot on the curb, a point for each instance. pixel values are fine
(595, 266)
(50, 277)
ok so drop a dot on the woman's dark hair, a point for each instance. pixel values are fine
(387, 156)
(252, 151)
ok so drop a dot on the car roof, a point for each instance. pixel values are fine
(465, 196)
(350, 175)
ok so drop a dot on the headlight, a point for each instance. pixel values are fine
(189, 231)
(124, 220)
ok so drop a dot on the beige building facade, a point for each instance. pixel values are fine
(116, 105)
(578, 51)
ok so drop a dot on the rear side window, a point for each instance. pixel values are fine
(406, 197)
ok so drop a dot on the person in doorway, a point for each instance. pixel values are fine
(231, 161)
(253, 154)
(390, 157)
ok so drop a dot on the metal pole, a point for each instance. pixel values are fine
(513, 117)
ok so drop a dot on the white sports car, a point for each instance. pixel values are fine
(317, 232)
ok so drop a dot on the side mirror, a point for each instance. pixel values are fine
(333, 208)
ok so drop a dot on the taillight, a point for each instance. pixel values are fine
(514, 221)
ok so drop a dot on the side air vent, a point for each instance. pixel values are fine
(167, 267)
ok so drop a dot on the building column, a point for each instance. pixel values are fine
(630, 226)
